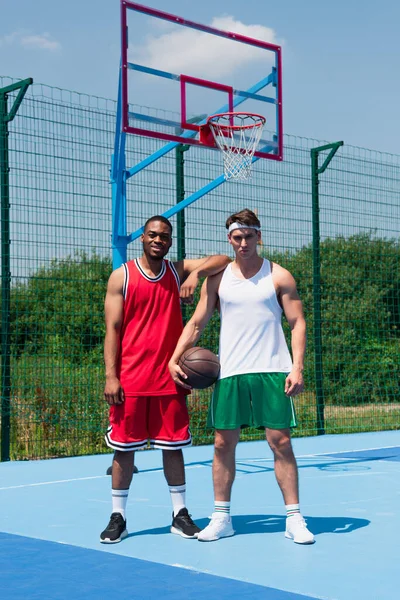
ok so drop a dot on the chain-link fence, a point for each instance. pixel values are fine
(59, 223)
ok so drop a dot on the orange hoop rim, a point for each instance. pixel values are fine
(261, 122)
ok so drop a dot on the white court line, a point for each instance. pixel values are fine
(342, 452)
(25, 485)
(323, 454)
(360, 450)
(353, 474)
(198, 466)
(14, 487)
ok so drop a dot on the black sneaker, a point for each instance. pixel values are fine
(183, 525)
(115, 530)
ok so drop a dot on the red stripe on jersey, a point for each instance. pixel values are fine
(152, 324)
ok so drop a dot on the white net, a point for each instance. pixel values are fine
(237, 135)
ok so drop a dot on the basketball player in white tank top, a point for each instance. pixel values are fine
(258, 378)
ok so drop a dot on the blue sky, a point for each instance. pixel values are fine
(341, 59)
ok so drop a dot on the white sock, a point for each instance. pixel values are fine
(119, 500)
(222, 509)
(178, 497)
(292, 509)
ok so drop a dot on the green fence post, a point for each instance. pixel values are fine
(315, 172)
(180, 195)
(5, 117)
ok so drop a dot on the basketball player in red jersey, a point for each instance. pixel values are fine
(143, 324)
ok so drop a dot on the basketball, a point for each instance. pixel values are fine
(201, 367)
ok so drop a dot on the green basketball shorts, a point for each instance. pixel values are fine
(251, 400)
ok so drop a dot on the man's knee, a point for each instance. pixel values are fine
(280, 442)
(225, 443)
(172, 458)
(172, 453)
(122, 455)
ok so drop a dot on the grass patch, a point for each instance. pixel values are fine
(46, 423)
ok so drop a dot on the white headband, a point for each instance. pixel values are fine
(234, 226)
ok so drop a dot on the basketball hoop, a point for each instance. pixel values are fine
(237, 135)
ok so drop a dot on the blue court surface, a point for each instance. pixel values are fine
(52, 512)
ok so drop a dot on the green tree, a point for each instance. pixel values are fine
(57, 332)
(360, 300)
(59, 312)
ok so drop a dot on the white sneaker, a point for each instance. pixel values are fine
(296, 530)
(218, 527)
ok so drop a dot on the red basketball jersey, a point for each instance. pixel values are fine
(152, 324)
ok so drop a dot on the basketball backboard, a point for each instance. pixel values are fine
(187, 69)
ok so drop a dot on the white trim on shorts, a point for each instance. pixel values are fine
(166, 445)
(159, 444)
(123, 446)
(294, 419)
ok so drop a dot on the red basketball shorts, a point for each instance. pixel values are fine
(163, 421)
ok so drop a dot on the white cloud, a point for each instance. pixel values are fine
(44, 41)
(200, 54)
(10, 38)
(24, 38)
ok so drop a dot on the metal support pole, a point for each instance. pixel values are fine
(119, 240)
(315, 172)
(5, 117)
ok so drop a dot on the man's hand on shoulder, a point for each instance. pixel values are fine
(188, 287)
(190, 272)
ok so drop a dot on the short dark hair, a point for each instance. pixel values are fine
(244, 217)
(158, 218)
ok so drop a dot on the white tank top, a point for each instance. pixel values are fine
(251, 336)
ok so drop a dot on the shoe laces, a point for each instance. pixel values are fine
(219, 516)
(218, 521)
(115, 520)
(299, 521)
(188, 519)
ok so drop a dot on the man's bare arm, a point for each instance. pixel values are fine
(113, 308)
(194, 327)
(293, 310)
(191, 271)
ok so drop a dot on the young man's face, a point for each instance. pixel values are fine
(244, 242)
(156, 240)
